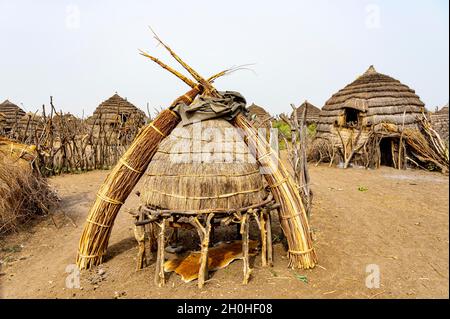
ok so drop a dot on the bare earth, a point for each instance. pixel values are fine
(400, 223)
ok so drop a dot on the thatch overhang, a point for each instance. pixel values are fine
(12, 113)
(376, 98)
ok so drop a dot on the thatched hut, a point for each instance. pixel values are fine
(2, 122)
(30, 125)
(116, 111)
(312, 113)
(261, 118)
(12, 114)
(370, 113)
(440, 122)
(194, 169)
(205, 169)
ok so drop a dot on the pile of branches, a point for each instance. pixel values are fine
(427, 146)
(24, 193)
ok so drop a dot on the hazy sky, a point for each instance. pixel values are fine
(81, 52)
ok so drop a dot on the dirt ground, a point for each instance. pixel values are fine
(397, 220)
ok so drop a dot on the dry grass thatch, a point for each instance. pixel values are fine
(312, 112)
(194, 170)
(440, 122)
(116, 110)
(11, 112)
(24, 193)
(260, 117)
(377, 97)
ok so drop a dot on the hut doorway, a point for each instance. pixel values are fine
(351, 117)
(388, 151)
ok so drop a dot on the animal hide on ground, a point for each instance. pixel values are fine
(219, 257)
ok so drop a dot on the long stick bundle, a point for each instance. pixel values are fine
(120, 182)
(294, 221)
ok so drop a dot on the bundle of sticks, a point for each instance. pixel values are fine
(427, 145)
(131, 166)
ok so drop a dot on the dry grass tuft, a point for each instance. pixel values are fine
(24, 193)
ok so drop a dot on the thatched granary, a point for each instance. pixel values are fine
(373, 105)
(312, 113)
(197, 172)
(12, 114)
(440, 122)
(260, 117)
(116, 111)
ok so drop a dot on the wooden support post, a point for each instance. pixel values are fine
(245, 227)
(204, 234)
(160, 279)
(139, 235)
(263, 231)
(269, 239)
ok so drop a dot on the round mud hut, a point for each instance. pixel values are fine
(312, 113)
(12, 114)
(364, 121)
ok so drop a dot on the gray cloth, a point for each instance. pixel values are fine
(206, 108)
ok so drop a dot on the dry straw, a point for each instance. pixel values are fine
(24, 193)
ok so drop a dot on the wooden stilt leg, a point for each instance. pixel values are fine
(139, 234)
(204, 234)
(263, 231)
(245, 227)
(152, 240)
(160, 279)
(268, 224)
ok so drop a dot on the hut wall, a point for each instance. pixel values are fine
(440, 122)
(12, 114)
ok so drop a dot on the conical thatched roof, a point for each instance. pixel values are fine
(312, 112)
(193, 172)
(260, 117)
(11, 112)
(379, 98)
(443, 110)
(115, 110)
